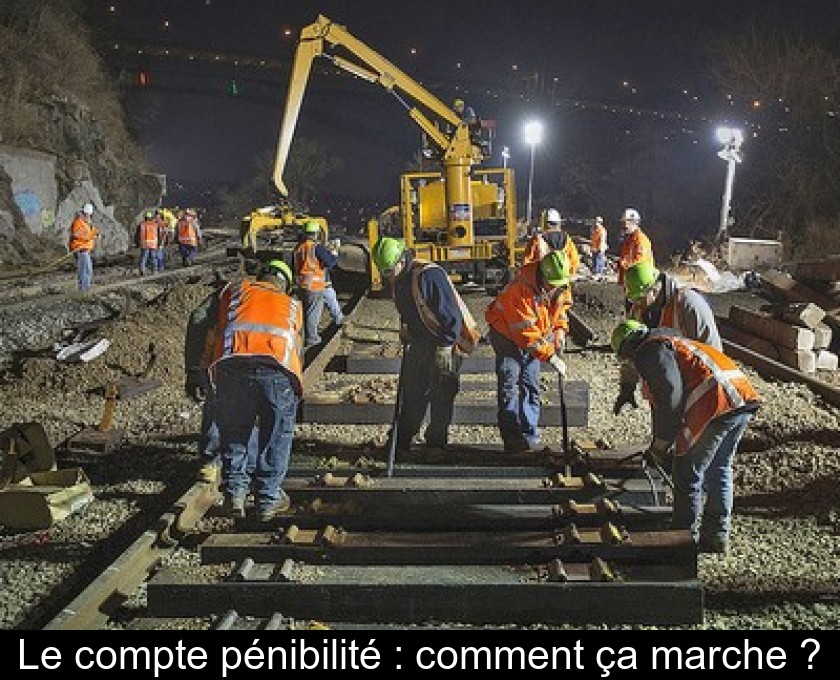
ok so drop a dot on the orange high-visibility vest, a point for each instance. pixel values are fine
(310, 273)
(82, 234)
(598, 241)
(528, 316)
(469, 336)
(257, 319)
(539, 247)
(187, 235)
(148, 234)
(634, 249)
(713, 384)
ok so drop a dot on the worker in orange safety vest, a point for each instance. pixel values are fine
(702, 403)
(147, 238)
(598, 247)
(81, 242)
(252, 349)
(528, 323)
(188, 235)
(635, 245)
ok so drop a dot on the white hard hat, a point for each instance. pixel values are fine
(552, 216)
(631, 215)
(87, 208)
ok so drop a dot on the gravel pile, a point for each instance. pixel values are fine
(781, 573)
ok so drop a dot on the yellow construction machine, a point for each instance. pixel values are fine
(462, 216)
(279, 225)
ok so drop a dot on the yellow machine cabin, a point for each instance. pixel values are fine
(463, 216)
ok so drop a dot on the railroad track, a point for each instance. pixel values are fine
(469, 536)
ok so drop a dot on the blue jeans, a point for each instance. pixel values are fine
(148, 256)
(598, 260)
(209, 440)
(249, 394)
(518, 393)
(313, 306)
(84, 268)
(331, 302)
(161, 258)
(187, 254)
(706, 468)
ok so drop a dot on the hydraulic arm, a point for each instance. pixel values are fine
(457, 151)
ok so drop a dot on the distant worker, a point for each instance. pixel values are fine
(659, 301)
(81, 243)
(528, 324)
(702, 403)
(188, 235)
(330, 296)
(147, 237)
(437, 330)
(466, 113)
(254, 357)
(598, 246)
(552, 237)
(312, 263)
(167, 222)
(635, 245)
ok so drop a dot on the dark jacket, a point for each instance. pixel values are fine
(436, 290)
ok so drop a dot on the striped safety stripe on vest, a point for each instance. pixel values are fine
(718, 377)
(469, 336)
(149, 230)
(233, 324)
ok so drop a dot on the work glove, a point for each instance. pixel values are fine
(626, 395)
(659, 453)
(558, 365)
(445, 361)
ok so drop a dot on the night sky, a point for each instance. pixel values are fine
(591, 70)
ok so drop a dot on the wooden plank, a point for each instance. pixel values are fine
(821, 270)
(826, 361)
(466, 412)
(822, 336)
(769, 328)
(768, 366)
(422, 493)
(785, 285)
(805, 314)
(801, 360)
(465, 594)
(450, 547)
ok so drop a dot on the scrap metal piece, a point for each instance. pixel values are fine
(283, 572)
(332, 536)
(557, 571)
(243, 571)
(612, 535)
(600, 571)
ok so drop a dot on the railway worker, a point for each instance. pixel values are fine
(81, 242)
(166, 219)
(635, 245)
(659, 301)
(189, 237)
(528, 325)
(253, 352)
(147, 237)
(552, 237)
(437, 330)
(312, 262)
(702, 404)
(598, 247)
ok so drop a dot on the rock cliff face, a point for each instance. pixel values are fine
(41, 191)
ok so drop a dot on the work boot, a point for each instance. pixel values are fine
(234, 506)
(713, 545)
(272, 511)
